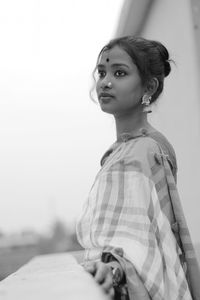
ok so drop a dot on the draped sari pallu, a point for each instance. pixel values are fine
(134, 206)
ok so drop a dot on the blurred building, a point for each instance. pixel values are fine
(16, 250)
(18, 240)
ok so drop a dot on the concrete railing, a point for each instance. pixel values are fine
(51, 277)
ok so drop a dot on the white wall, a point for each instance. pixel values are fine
(177, 113)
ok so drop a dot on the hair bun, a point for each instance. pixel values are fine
(167, 67)
(164, 54)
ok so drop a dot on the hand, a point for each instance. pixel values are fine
(102, 274)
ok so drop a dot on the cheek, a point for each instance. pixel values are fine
(97, 86)
(131, 90)
(137, 88)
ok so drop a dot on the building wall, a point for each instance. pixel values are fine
(177, 113)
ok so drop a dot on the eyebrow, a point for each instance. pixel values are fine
(113, 65)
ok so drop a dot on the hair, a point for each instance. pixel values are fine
(150, 57)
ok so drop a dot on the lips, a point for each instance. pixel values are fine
(103, 96)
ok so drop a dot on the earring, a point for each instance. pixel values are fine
(146, 101)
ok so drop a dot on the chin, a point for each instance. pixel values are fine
(107, 110)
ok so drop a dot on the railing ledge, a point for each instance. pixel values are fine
(51, 277)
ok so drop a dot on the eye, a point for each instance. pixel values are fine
(120, 73)
(101, 73)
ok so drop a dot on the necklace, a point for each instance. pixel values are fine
(126, 136)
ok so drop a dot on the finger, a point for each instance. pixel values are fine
(101, 273)
(107, 285)
(111, 293)
(90, 267)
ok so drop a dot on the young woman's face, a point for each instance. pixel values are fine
(119, 87)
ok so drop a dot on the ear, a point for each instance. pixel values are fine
(152, 86)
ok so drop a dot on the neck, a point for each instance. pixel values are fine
(131, 123)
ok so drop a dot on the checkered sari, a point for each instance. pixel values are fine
(133, 205)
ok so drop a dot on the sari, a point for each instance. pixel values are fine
(133, 212)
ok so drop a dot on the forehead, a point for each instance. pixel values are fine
(115, 55)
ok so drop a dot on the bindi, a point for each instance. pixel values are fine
(107, 59)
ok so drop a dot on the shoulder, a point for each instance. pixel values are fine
(163, 142)
(167, 149)
(143, 155)
(138, 156)
(142, 148)
(149, 156)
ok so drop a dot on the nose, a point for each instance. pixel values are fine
(106, 84)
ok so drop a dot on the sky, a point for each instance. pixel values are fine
(52, 134)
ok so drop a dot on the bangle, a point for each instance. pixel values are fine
(116, 276)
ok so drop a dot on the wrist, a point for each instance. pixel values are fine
(117, 272)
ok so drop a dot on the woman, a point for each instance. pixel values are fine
(132, 226)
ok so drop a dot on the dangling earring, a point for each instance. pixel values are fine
(146, 101)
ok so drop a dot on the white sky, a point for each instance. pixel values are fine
(52, 135)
